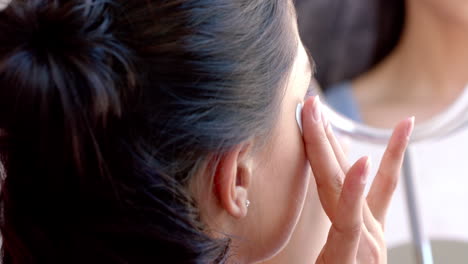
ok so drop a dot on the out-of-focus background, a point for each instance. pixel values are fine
(340, 34)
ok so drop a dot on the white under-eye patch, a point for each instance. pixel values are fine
(299, 115)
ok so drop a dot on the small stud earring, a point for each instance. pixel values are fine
(247, 203)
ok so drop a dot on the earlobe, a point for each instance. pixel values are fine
(232, 181)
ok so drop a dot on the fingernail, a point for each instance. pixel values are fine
(409, 127)
(317, 112)
(365, 171)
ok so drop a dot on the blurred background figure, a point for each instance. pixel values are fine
(340, 34)
(378, 61)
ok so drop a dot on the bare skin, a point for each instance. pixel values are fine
(287, 207)
(421, 77)
(357, 231)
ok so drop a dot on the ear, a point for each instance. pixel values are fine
(232, 180)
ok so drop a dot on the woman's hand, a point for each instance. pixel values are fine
(356, 234)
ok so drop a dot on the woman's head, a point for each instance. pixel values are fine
(137, 130)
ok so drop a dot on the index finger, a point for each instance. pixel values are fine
(325, 167)
(387, 176)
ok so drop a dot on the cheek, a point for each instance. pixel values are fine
(282, 187)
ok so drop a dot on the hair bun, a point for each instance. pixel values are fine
(60, 66)
(52, 44)
(52, 26)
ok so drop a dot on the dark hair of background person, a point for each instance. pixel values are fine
(391, 19)
(349, 37)
(108, 108)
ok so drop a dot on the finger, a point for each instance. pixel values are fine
(387, 176)
(343, 239)
(371, 248)
(372, 225)
(326, 169)
(345, 143)
(336, 145)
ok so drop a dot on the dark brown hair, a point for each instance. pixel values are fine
(347, 38)
(109, 107)
(390, 22)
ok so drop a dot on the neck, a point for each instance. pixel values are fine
(432, 56)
